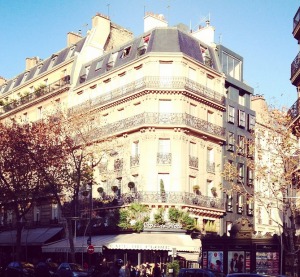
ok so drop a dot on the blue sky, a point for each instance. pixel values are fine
(258, 30)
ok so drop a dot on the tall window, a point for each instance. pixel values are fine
(210, 116)
(121, 114)
(230, 114)
(231, 66)
(229, 203)
(40, 113)
(193, 149)
(164, 146)
(192, 74)
(240, 204)
(228, 227)
(192, 183)
(250, 207)
(135, 148)
(165, 106)
(242, 119)
(251, 122)
(54, 211)
(242, 99)
(250, 177)
(209, 186)
(231, 141)
(137, 108)
(163, 182)
(241, 141)
(241, 177)
(192, 110)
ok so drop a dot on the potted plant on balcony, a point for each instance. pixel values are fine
(214, 191)
(114, 188)
(100, 190)
(131, 185)
(196, 189)
(162, 191)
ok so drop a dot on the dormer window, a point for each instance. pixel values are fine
(71, 51)
(99, 65)
(52, 62)
(143, 46)
(111, 61)
(38, 70)
(231, 66)
(126, 52)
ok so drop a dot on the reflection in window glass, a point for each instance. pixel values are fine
(231, 66)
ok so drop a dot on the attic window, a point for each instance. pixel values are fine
(111, 61)
(126, 52)
(99, 64)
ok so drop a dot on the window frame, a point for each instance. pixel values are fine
(101, 65)
(231, 114)
(125, 52)
(242, 119)
(241, 145)
(239, 206)
(241, 169)
(251, 122)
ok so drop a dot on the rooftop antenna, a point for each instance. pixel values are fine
(203, 20)
(85, 26)
(108, 10)
(220, 38)
(258, 88)
(144, 10)
(168, 13)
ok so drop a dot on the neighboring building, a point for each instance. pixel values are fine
(239, 121)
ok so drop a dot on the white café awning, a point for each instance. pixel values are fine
(142, 241)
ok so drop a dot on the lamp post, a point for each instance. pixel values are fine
(89, 241)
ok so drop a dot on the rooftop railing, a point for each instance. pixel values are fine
(151, 83)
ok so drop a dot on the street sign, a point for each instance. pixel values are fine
(89, 241)
(91, 249)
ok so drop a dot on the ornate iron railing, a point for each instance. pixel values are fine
(295, 65)
(164, 158)
(158, 119)
(293, 111)
(150, 83)
(173, 197)
(210, 166)
(102, 167)
(193, 161)
(296, 20)
(118, 165)
(135, 160)
(36, 94)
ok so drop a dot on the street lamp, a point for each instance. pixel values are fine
(89, 241)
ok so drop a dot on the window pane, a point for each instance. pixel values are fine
(224, 62)
(237, 65)
(230, 66)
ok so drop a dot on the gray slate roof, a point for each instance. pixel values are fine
(61, 57)
(168, 39)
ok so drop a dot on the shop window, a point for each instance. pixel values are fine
(242, 119)
(230, 114)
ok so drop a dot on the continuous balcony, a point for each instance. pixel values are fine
(134, 160)
(294, 113)
(144, 120)
(168, 197)
(296, 25)
(38, 94)
(163, 83)
(295, 70)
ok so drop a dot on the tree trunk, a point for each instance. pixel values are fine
(18, 242)
(71, 240)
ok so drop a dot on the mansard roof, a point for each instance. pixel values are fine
(43, 66)
(161, 40)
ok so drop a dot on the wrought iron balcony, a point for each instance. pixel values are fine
(164, 158)
(36, 94)
(118, 165)
(146, 119)
(295, 69)
(293, 112)
(173, 197)
(102, 167)
(145, 83)
(193, 161)
(210, 166)
(134, 160)
(296, 26)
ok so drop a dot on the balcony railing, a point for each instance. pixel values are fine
(134, 160)
(150, 83)
(173, 197)
(295, 65)
(118, 165)
(293, 112)
(164, 158)
(102, 167)
(296, 20)
(193, 161)
(210, 166)
(36, 94)
(143, 119)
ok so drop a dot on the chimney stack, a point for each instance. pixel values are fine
(154, 20)
(2, 81)
(32, 62)
(73, 38)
